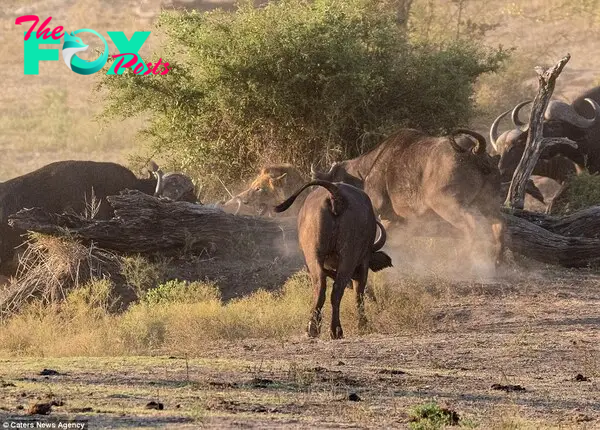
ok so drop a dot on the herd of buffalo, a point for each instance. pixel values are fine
(410, 175)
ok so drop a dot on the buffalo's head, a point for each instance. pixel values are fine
(175, 186)
(273, 185)
(560, 120)
(338, 172)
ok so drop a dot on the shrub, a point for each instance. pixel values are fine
(581, 191)
(182, 292)
(295, 82)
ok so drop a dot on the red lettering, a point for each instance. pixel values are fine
(147, 72)
(138, 68)
(25, 18)
(126, 65)
(56, 33)
(155, 69)
(165, 70)
(44, 32)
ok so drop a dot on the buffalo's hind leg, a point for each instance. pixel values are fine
(360, 283)
(339, 285)
(319, 281)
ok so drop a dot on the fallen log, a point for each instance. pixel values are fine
(535, 242)
(583, 223)
(145, 224)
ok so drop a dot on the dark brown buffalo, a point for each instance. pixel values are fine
(336, 231)
(411, 174)
(66, 186)
(578, 122)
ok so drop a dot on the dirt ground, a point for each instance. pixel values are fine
(538, 329)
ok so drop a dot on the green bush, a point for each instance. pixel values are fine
(295, 82)
(581, 191)
(176, 291)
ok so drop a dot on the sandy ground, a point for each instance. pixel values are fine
(536, 329)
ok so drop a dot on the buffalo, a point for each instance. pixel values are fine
(70, 186)
(411, 174)
(273, 184)
(578, 122)
(336, 231)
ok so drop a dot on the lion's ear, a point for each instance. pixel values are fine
(278, 178)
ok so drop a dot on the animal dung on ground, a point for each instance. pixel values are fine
(508, 388)
(581, 378)
(49, 372)
(261, 382)
(353, 397)
(155, 405)
(391, 372)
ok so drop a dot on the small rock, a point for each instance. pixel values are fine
(353, 397)
(581, 378)
(155, 405)
(49, 372)
(340, 363)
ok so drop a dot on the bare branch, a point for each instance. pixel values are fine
(536, 142)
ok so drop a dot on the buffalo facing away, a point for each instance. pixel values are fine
(66, 186)
(273, 184)
(336, 231)
(411, 174)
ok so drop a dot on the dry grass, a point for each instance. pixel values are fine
(182, 318)
(50, 267)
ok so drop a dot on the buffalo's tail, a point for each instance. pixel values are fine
(338, 200)
(379, 261)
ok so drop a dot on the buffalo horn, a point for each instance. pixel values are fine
(494, 131)
(562, 111)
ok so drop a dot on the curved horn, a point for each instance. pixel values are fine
(313, 172)
(160, 183)
(382, 237)
(494, 131)
(562, 111)
(481, 143)
(515, 115)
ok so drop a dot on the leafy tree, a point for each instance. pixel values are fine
(296, 82)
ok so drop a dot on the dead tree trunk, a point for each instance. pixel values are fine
(536, 142)
(144, 224)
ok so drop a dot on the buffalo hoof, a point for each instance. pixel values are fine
(336, 333)
(313, 329)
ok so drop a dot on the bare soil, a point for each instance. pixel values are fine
(537, 329)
